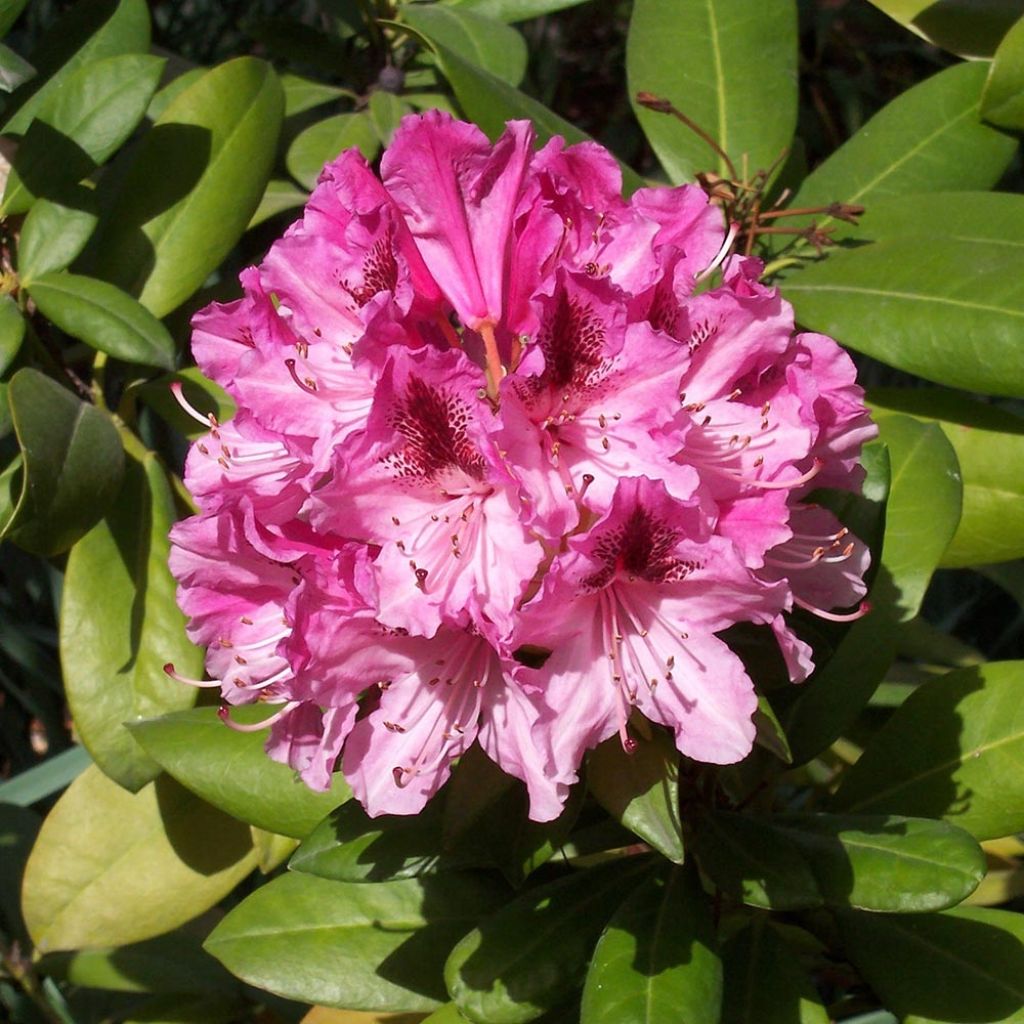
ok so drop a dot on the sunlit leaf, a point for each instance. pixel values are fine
(1002, 102)
(970, 28)
(52, 236)
(323, 141)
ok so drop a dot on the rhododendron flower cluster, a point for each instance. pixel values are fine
(487, 405)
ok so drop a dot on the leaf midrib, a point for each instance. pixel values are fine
(942, 300)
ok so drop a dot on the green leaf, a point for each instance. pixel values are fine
(728, 65)
(278, 196)
(952, 750)
(12, 331)
(195, 183)
(89, 31)
(962, 965)
(948, 310)
(53, 235)
(800, 861)
(201, 392)
(478, 39)
(9, 11)
(386, 111)
(514, 10)
(641, 789)
(533, 953)
(72, 463)
(993, 217)
(169, 963)
(120, 624)
(232, 771)
(80, 127)
(112, 867)
(18, 828)
(14, 70)
(45, 779)
(104, 317)
(302, 94)
(969, 28)
(657, 960)
(764, 984)
(987, 441)
(924, 507)
(929, 139)
(172, 90)
(490, 102)
(362, 947)
(325, 140)
(1002, 102)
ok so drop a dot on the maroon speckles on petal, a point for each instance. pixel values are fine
(435, 426)
(380, 272)
(572, 340)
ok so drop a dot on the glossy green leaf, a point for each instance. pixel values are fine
(302, 94)
(112, 867)
(72, 463)
(325, 140)
(764, 983)
(925, 498)
(120, 624)
(12, 331)
(272, 849)
(103, 316)
(18, 828)
(477, 38)
(970, 28)
(948, 310)
(993, 217)
(952, 750)
(929, 139)
(53, 235)
(9, 11)
(14, 70)
(172, 90)
(490, 102)
(657, 960)
(641, 789)
(514, 10)
(533, 953)
(362, 947)
(170, 963)
(962, 965)
(195, 183)
(28, 787)
(278, 196)
(1002, 102)
(799, 861)
(80, 127)
(386, 111)
(232, 771)
(988, 442)
(729, 66)
(89, 31)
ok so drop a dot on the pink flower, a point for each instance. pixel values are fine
(486, 403)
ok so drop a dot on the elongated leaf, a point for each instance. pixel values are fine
(477, 38)
(45, 779)
(763, 982)
(363, 947)
(970, 28)
(1002, 103)
(72, 463)
(9, 11)
(80, 127)
(515, 10)
(962, 965)
(14, 70)
(325, 140)
(12, 331)
(120, 625)
(232, 771)
(988, 441)
(172, 90)
(728, 65)
(386, 111)
(52, 236)
(993, 217)
(301, 94)
(112, 867)
(89, 31)
(641, 789)
(103, 316)
(930, 139)
(952, 751)
(279, 195)
(657, 960)
(948, 310)
(799, 861)
(533, 953)
(194, 185)
(490, 102)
